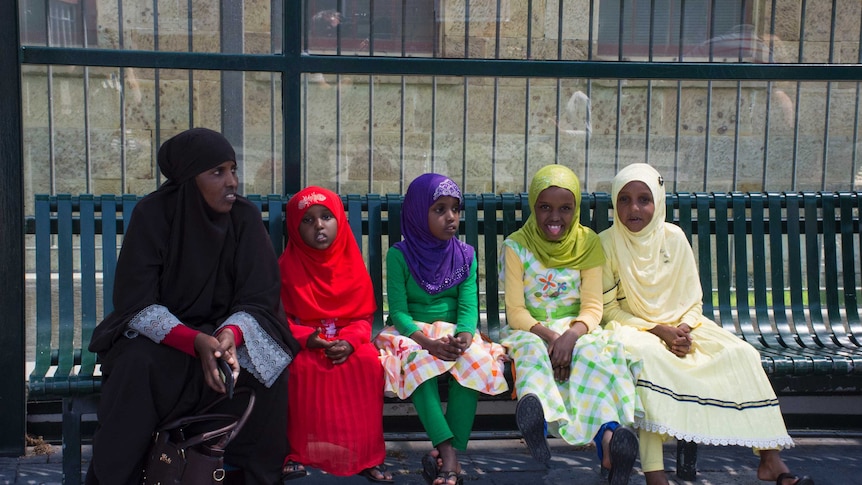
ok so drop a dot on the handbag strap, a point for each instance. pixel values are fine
(226, 432)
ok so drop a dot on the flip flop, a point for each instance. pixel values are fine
(531, 423)
(368, 473)
(804, 480)
(623, 449)
(292, 470)
(429, 468)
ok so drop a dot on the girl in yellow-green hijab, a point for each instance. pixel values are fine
(567, 370)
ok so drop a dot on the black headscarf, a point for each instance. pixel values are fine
(202, 265)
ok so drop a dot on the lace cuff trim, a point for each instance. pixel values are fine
(774, 443)
(154, 322)
(260, 354)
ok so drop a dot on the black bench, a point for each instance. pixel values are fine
(780, 270)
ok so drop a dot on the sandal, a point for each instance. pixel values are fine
(624, 450)
(804, 480)
(292, 470)
(447, 477)
(429, 468)
(369, 474)
(531, 423)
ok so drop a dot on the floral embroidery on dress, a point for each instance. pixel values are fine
(550, 288)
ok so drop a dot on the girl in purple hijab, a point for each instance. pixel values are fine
(436, 264)
(433, 314)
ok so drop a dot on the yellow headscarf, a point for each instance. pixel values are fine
(579, 248)
(655, 265)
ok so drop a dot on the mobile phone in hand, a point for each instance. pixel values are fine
(227, 371)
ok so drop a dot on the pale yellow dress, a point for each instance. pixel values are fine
(718, 394)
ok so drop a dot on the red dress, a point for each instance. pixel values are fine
(335, 417)
(335, 412)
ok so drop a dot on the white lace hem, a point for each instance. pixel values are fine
(774, 443)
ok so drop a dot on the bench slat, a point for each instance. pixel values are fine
(762, 321)
(65, 295)
(819, 332)
(375, 254)
(849, 227)
(89, 316)
(740, 258)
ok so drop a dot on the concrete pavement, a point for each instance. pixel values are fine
(828, 457)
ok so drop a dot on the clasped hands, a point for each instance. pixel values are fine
(677, 339)
(336, 350)
(447, 347)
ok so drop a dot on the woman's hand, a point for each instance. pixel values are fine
(209, 349)
(560, 351)
(338, 351)
(677, 339)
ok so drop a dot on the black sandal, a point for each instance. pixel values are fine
(429, 468)
(804, 480)
(293, 470)
(449, 475)
(368, 473)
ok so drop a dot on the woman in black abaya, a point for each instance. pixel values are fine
(197, 279)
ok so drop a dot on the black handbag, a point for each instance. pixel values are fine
(181, 454)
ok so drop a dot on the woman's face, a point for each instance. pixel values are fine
(635, 206)
(444, 216)
(218, 186)
(318, 227)
(554, 210)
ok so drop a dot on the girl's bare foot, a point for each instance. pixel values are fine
(772, 467)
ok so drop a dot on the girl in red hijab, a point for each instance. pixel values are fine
(335, 397)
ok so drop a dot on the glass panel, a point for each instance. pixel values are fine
(97, 130)
(491, 135)
(724, 31)
(161, 25)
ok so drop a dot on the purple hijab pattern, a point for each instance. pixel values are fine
(436, 265)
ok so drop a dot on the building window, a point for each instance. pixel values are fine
(726, 31)
(386, 26)
(60, 23)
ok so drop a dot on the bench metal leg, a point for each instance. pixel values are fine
(686, 460)
(73, 409)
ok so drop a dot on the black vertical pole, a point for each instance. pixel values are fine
(232, 84)
(291, 93)
(12, 399)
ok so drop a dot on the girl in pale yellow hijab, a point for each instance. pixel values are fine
(566, 369)
(695, 380)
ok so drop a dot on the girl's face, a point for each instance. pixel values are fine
(444, 216)
(218, 186)
(554, 210)
(318, 227)
(635, 206)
